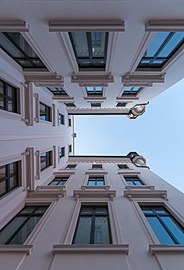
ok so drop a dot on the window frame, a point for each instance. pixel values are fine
(133, 176)
(48, 112)
(48, 159)
(94, 92)
(97, 164)
(67, 167)
(37, 206)
(57, 180)
(92, 231)
(15, 99)
(61, 119)
(9, 175)
(127, 168)
(96, 178)
(61, 152)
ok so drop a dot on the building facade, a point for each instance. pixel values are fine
(62, 211)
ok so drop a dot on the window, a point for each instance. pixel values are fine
(122, 166)
(161, 49)
(20, 227)
(9, 177)
(121, 104)
(61, 119)
(70, 104)
(69, 122)
(133, 181)
(59, 181)
(17, 47)
(93, 226)
(95, 104)
(61, 152)
(94, 90)
(166, 228)
(9, 100)
(131, 90)
(70, 148)
(90, 49)
(96, 181)
(57, 91)
(71, 166)
(45, 159)
(45, 112)
(97, 166)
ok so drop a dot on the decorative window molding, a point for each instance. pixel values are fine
(166, 249)
(86, 26)
(54, 115)
(165, 26)
(145, 193)
(29, 154)
(36, 97)
(54, 156)
(14, 26)
(92, 77)
(112, 249)
(27, 249)
(28, 107)
(143, 78)
(97, 194)
(44, 79)
(45, 195)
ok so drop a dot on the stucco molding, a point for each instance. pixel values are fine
(92, 193)
(165, 26)
(141, 193)
(16, 249)
(14, 26)
(117, 249)
(166, 249)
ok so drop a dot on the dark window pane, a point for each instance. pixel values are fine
(2, 188)
(160, 231)
(21, 236)
(83, 231)
(101, 235)
(2, 172)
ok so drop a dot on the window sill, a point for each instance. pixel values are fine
(16, 249)
(10, 115)
(117, 249)
(45, 195)
(95, 187)
(45, 122)
(166, 249)
(140, 193)
(92, 193)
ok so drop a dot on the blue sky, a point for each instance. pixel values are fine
(158, 135)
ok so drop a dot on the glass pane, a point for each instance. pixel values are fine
(86, 210)
(7, 45)
(12, 167)
(129, 183)
(98, 44)
(43, 164)
(172, 44)
(137, 183)
(174, 228)
(25, 230)
(160, 210)
(13, 182)
(101, 235)
(53, 183)
(22, 43)
(155, 44)
(83, 232)
(101, 210)
(61, 183)
(27, 210)
(80, 44)
(41, 210)
(10, 106)
(160, 231)
(2, 188)
(100, 183)
(2, 103)
(91, 183)
(10, 229)
(24, 63)
(147, 211)
(1, 87)
(2, 172)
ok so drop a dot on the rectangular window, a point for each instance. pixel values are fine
(61, 152)
(69, 104)
(57, 91)
(71, 166)
(90, 49)
(122, 166)
(45, 160)
(9, 98)
(45, 112)
(97, 166)
(133, 181)
(96, 181)
(164, 225)
(121, 104)
(17, 47)
(61, 119)
(70, 148)
(69, 122)
(131, 90)
(59, 181)
(93, 226)
(162, 47)
(20, 227)
(10, 177)
(94, 90)
(95, 104)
